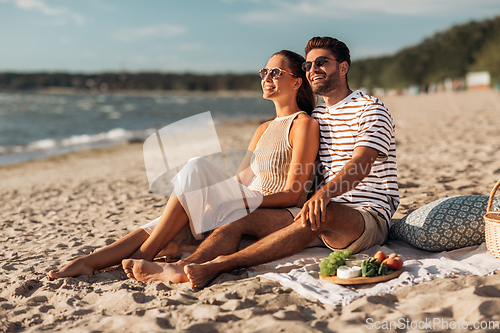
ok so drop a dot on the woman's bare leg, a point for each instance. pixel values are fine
(108, 256)
(138, 244)
(171, 222)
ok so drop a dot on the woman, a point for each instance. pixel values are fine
(284, 151)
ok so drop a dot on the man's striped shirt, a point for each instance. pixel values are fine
(360, 120)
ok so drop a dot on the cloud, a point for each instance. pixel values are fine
(158, 31)
(190, 46)
(279, 11)
(57, 12)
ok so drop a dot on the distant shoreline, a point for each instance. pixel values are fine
(136, 92)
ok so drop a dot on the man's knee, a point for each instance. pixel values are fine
(342, 226)
(338, 215)
(341, 220)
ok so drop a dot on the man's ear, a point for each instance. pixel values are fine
(344, 68)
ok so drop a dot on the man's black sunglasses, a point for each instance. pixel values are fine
(319, 61)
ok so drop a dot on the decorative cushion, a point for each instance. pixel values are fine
(445, 224)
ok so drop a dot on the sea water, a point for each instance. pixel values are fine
(36, 125)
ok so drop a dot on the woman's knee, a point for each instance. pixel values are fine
(195, 163)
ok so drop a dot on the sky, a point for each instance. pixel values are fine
(210, 36)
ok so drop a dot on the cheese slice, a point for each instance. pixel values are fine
(346, 272)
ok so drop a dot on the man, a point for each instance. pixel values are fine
(351, 210)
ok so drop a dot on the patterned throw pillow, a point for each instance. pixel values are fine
(445, 224)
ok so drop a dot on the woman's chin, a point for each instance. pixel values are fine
(267, 95)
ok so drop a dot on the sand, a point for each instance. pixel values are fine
(57, 209)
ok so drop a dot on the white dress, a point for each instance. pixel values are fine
(212, 199)
(202, 188)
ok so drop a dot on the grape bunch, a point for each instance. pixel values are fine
(328, 266)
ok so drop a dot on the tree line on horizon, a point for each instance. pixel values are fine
(474, 46)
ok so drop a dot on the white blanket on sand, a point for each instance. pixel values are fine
(300, 272)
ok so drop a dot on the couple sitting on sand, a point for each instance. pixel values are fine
(352, 135)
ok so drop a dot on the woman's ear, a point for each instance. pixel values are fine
(298, 83)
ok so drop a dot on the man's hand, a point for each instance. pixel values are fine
(358, 167)
(314, 210)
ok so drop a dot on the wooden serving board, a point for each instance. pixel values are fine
(361, 279)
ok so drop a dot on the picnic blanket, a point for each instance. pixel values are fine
(301, 272)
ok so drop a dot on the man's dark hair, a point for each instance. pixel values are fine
(337, 47)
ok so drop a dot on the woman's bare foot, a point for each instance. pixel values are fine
(146, 271)
(78, 266)
(201, 274)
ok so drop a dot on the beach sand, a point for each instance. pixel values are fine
(57, 209)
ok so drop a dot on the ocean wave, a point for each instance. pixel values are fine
(77, 141)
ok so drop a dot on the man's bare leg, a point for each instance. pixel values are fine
(108, 256)
(343, 226)
(222, 241)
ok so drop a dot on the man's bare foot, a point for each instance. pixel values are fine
(201, 274)
(146, 271)
(78, 266)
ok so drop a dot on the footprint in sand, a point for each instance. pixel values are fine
(444, 179)
(27, 288)
(7, 306)
(141, 298)
(45, 308)
(487, 291)
(37, 299)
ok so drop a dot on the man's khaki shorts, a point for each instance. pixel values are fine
(376, 230)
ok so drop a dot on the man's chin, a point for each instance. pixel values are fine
(319, 89)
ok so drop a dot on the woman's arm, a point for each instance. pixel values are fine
(245, 174)
(304, 139)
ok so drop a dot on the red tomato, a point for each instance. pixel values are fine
(394, 263)
(380, 256)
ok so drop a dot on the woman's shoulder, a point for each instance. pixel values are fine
(303, 120)
(262, 127)
(260, 130)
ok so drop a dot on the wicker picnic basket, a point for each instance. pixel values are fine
(492, 226)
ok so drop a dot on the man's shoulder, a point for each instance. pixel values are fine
(356, 100)
(367, 101)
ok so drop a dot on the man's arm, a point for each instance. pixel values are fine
(314, 210)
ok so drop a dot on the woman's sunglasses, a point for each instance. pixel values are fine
(320, 61)
(275, 73)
